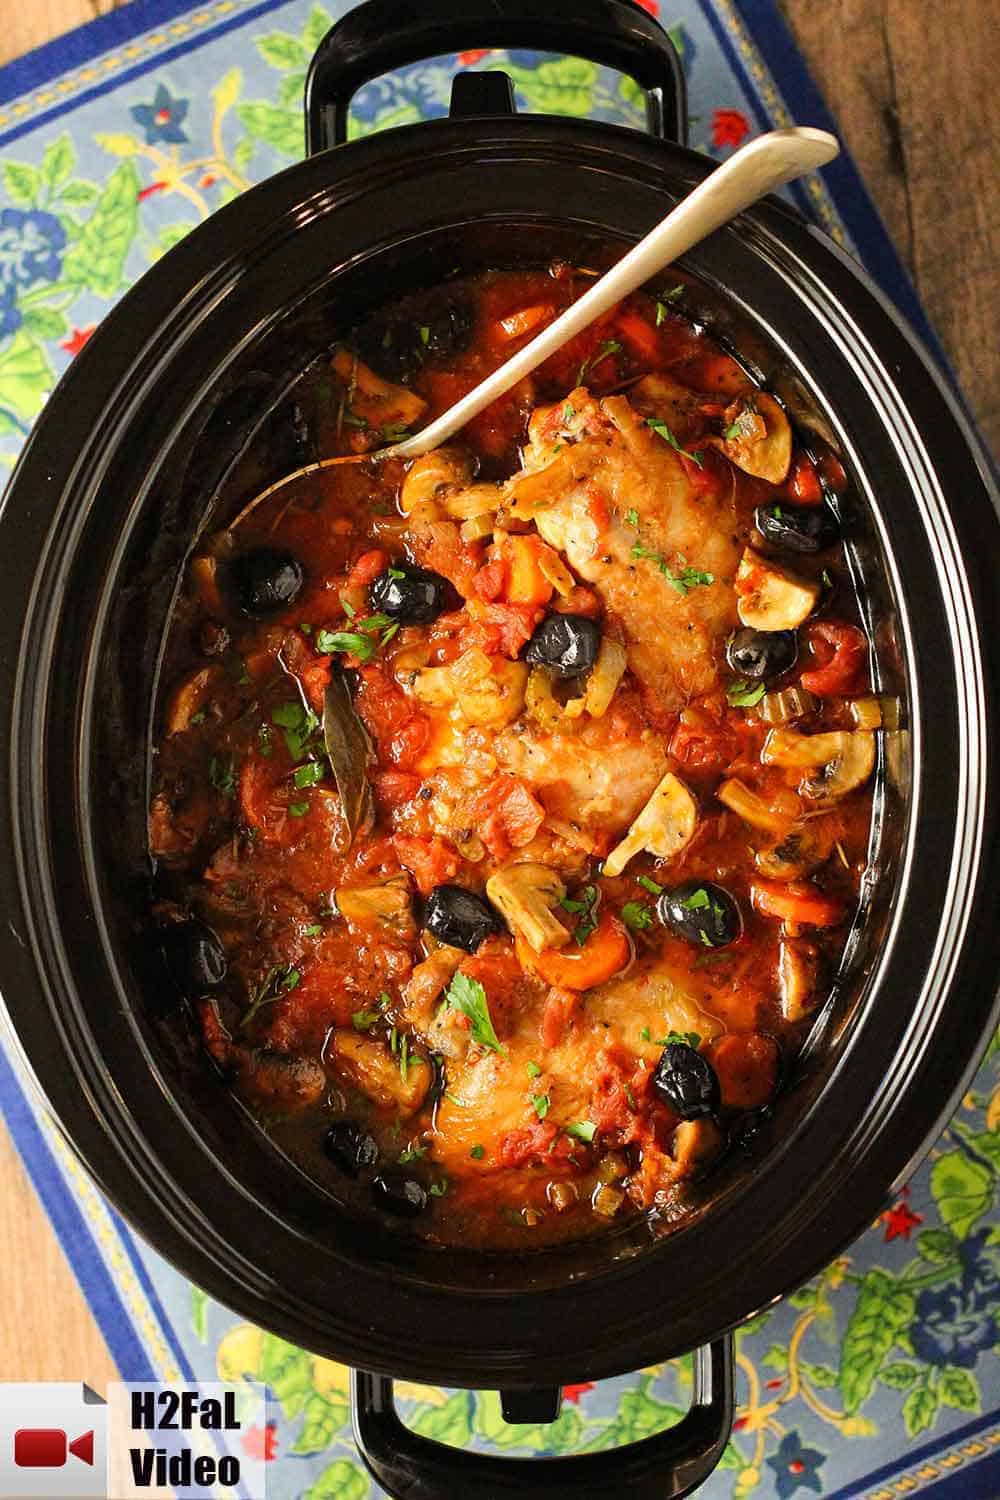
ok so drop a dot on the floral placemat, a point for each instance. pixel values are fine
(880, 1379)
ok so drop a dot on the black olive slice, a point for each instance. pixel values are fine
(687, 1082)
(701, 912)
(568, 644)
(459, 917)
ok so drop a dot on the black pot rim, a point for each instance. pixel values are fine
(909, 1075)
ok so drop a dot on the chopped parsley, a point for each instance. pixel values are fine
(630, 1097)
(637, 916)
(394, 432)
(298, 809)
(697, 901)
(584, 1130)
(685, 1038)
(222, 775)
(438, 1189)
(662, 430)
(644, 1034)
(308, 775)
(745, 425)
(687, 579)
(632, 517)
(674, 295)
(743, 694)
(468, 996)
(300, 728)
(313, 931)
(412, 1153)
(609, 347)
(396, 573)
(650, 885)
(198, 718)
(477, 1153)
(533, 1070)
(586, 909)
(360, 642)
(425, 334)
(541, 1104)
(404, 1058)
(354, 419)
(364, 1020)
(276, 982)
(568, 413)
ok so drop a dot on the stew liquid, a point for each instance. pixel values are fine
(510, 807)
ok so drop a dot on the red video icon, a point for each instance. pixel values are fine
(47, 1448)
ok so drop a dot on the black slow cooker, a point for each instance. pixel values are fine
(116, 483)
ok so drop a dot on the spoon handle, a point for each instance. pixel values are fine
(766, 163)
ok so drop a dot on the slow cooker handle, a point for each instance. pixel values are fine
(382, 35)
(666, 1466)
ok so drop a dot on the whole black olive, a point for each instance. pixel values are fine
(398, 1194)
(747, 1129)
(413, 596)
(447, 332)
(687, 1081)
(394, 350)
(797, 528)
(567, 643)
(701, 912)
(459, 917)
(350, 1147)
(195, 959)
(266, 580)
(763, 653)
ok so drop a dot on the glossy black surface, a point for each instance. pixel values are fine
(798, 528)
(411, 595)
(266, 581)
(701, 912)
(568, 644)
(686, 1081)
(459, 917)
(110, 494)
(665, 1466)
(762, 653)
(195, 959)
(350, 1147)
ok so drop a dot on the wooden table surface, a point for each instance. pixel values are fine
(912, 85)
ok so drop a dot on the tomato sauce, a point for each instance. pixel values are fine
(504, 951)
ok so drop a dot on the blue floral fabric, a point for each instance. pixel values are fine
(881, 1378)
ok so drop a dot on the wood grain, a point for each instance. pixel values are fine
(912, 84)
(48, 1330)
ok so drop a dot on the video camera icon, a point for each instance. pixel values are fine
(53, 1442)
(48, 1448)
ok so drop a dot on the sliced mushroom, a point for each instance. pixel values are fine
(798, 969)
(371, 1067)
(473, 500)
(803, 849)
(526, 895)
(189, 698)
(775, 816)
(695, 1146)
(847, 758)
(431, 477)
(378, 402)
(757, 438)
(770, 597)
(663, 828)
(607, 673)
(388, 905)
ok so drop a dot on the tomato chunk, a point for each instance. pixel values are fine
(431, 861)
(747, 1067)
(841, 651)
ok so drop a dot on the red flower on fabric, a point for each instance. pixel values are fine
(261, 1443)
(77, 339)
(729, 127)
(469, 59)
(900, 1221)
(651, 6)
(574, 1392)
